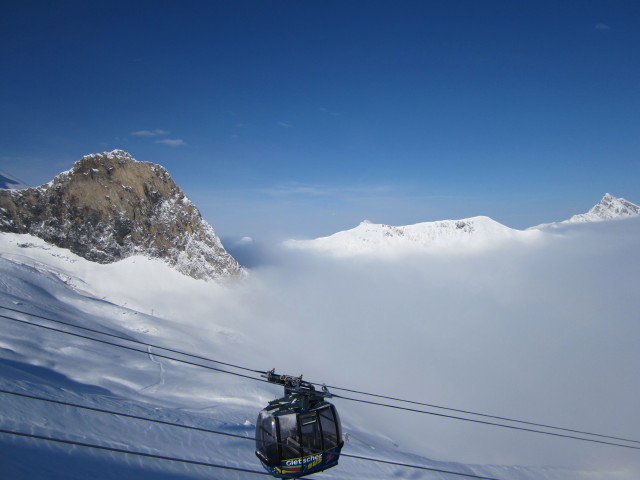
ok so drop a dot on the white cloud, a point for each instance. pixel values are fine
(601, 26)
(300, 189)
(330, 112)
(172, 142)
(285, 124)
(245, 241)
(150, 133)
(296, 188)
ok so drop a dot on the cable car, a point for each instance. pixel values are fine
(300, 433)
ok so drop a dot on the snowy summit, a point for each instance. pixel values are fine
(609, 208)
(370, 238)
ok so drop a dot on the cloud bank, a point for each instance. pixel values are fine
(543, 332)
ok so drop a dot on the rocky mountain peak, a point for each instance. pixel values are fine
(608, 208)
(110, 206)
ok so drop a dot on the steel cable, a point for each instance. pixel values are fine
(233, 435)
(333, 387)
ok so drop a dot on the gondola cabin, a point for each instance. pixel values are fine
(298, 434)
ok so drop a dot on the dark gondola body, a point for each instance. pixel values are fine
(298, 434)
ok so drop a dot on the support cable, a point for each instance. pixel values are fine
(484, 422)
(233, 435)
(124, 415)
(130, 348)
(495, 417)
(130, 452)
(131, 340)
(333, 387)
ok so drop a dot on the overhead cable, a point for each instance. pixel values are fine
(484, 422)
(130, 452)
(129, 348)
(513, 427)
(146, 344)
(124, 415)
(524, 422)
(233, 435)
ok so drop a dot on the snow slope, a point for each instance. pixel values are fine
(543, 331)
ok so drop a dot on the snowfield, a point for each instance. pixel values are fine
(544, 330)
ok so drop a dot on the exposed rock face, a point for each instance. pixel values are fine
(110, 206)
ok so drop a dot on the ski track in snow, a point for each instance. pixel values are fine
(161, 380)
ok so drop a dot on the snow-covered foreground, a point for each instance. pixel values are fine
(545, 331)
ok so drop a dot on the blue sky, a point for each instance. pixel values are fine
(302, 118)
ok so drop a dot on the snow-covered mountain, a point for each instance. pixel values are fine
(608, 208)
(465, 235)
(109, 207)
(469, 234)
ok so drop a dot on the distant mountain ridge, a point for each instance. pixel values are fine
(471, 233)
(466, 234)
(109, 206)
